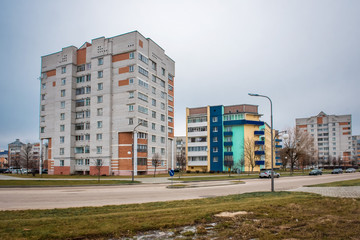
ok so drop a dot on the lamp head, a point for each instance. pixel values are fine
(253, 94)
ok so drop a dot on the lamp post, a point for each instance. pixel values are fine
(133, 153)
(272, 139)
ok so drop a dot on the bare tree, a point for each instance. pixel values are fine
(99, 164)
(181, 161)
(240, 164)
(297, 148)
(155, 161)
(27, 156)
(249, 152)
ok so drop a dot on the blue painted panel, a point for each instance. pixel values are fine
(216, 111)
(228, 143)
(228, 133)
(259, 162)
(243, 122)
(278, 164)
(259, 142)
(228, 153)
(278, 146)
(259, 132)
(277, 158)
(278, 140)
(259, 152)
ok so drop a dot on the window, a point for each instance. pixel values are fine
(228, 149)
(87, 149)
(153, 90)
(171, 98)
(144, 123)
(62, 163)
(100, 86)
(99, 162)
(80, 79)
(79, 162)
(170, 119)
(88, 77)
(62, 128)
(143, 71)
(228, 129)
(81, 68)
(142, 109)
(162, 117)
(131, 108)
(163, 106)
(153, 65)
(98, 150)
(131, 81)
(215, 139)
(163, 95)
(162, 83)
(170, 109)
(100, 99)
(162, 140)
(42, 107)
(171, 88)
(170, 130)
(215, 129)
(142, 135)
(87, 113)
(87, 137)
(143, 58)
(153, 138)
(153, 102)
(143, 97)
(42, 118)
(153, 114)
(100, 61)
(99, 111)
(153, 78)
(162, 128)
(61, 151)
(42, 129)
(170, 77)
(215, 149)
(142, 148)
(63, 81)
(99, 136)
(131, 55)
(63, 69)
(100, 74)
(153, 126)
(215, 159)
(62, 139)
(215, 119)
(62, 93)
(43, 86)
(99, 124)
(79, 150)
(88, 89)
(163, 71)
(87, 161)
(131, 68)
(131, 94)
(153, 150)
(131, 121)
(79, 138)
(143, 84)
(162, 153)
(62, 116)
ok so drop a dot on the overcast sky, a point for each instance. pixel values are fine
(303, 54)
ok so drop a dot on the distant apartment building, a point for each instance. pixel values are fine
(97, 98)
(4, 158)
(332, 136)
(20, 154)
(14, 150)
(180, 151)
(223, 137)
(356, 149)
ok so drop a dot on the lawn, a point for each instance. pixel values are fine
(31, 183)
(347, 183)
(280, 215)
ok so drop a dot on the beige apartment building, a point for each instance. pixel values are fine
(332, 136)
(95, 98)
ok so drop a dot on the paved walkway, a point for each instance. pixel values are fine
(342, 192)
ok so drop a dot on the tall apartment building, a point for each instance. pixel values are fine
(332, 135)
(219, 135)
(93, 99)
(356, 149)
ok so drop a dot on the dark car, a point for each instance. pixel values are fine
(337, 171)
(45, 171)
(315, 172)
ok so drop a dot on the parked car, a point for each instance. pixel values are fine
(350, 170)
(44, 171)
(337, 171)
(315, 172)
(267, 174)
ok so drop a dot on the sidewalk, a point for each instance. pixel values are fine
(342, 192)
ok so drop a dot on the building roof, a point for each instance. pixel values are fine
(17, 143)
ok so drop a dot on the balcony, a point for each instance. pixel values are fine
(259, 152)
(228, 143)
(278, 164)
(259, 162)
(228, 153)
(278, 146)
(277, 158)
(259, 143)
(197, 163)
(278, 140)
(259, 133)
(228, 133)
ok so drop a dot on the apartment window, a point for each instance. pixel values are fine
(170, 109)
(87, 149)
(170, 119)
(153, 102)
(80, 79)
(61, 151)
(62, 93)
(215, 129)
(163, 71)
(79, 150)
(43, 85)
(215, 139)
(131, 81)
(131, 108)
(215, 159)
(88, 89)
(153, 65)
(153, 90)
(142, 109)
(153, 126)
(100, 86)
(62, 116)
(42, 107)
(171, 88)
(99, 162)
(131, 121)
(215, 119)
(100, 61)
(62, 128)
(162, 117)
(228, 129)
(131, 55)
(170, 130)
(100, 74)
(62, 163)
(99, 136)
(162, 140)
(170, 77)
(153, 78)
(163, 106)
(99, 111)
(143, 72)
(63, 81)
(88, 77)
(87, 161)
(87, 113)
(100, 99)
(63, 69)
(99, 124)
(143, 84)
(153, 138)
(62, 139)
(99, 149)
(153, 150)
(131, 68)
(171, 98)
(144, 123)
(42, 119)
(131, 94)
(81, 68)
(143, 97)
(143, 58)
(162, 128)
(215, 149)
(162, 83)
(228, 149)
(87, 137)
(42, 129)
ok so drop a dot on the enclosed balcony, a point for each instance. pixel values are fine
(278, 146)
(230, 133)
(259, 162)
(259, 143)
(278, 164)
(260, 152)
(228, 144)
(259, 133)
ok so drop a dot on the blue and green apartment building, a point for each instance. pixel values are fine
(218, 137)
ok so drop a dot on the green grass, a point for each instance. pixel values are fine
(28, 183)
(347, 183)
(277, 215)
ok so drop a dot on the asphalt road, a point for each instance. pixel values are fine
(65, 197)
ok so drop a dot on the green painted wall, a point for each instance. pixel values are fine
(237, 147)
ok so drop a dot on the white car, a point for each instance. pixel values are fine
(267, 174)
(350, 170)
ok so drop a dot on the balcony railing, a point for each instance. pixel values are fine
(228, 143)
(259, 152)
(259, 162)
(259, 142)
(228, 133)
(258, 133)
(278, 164)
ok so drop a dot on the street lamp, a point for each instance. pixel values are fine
(272, 139)
(133, 152)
